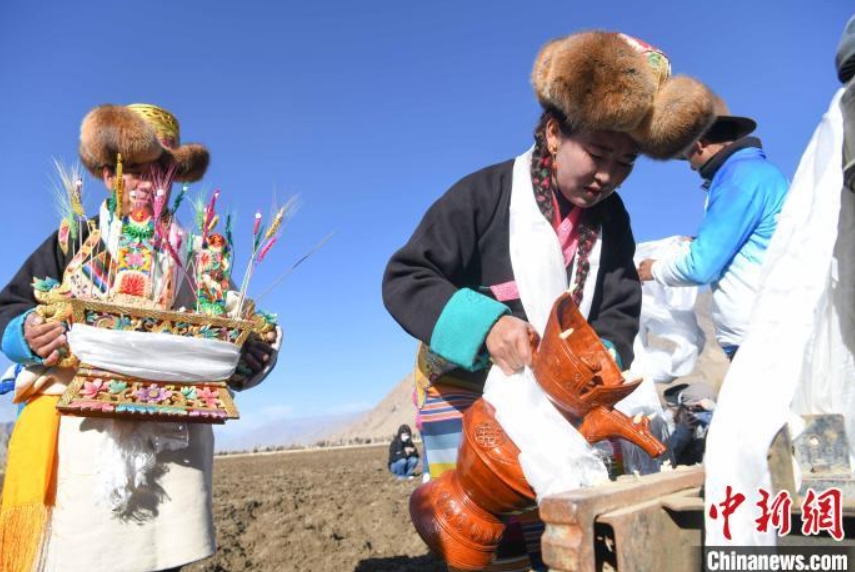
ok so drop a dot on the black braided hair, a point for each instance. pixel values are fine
(544, 186)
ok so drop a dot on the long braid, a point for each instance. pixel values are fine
(543, 183)
(541, 170)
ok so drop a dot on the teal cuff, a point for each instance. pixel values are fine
(610, 346)
(462, 328)
(14, 345)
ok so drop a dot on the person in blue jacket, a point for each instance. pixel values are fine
(745, 196)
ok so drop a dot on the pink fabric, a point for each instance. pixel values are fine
(568, 237)
(506, 291)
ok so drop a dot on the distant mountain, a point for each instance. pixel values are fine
(281, 432)
(383, 421)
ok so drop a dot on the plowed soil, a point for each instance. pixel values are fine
(326, 510)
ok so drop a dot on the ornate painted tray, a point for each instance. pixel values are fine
(99, 393)
(96, 392)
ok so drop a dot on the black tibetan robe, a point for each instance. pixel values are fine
(463, 243)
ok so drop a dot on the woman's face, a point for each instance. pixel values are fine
(591, 165)
(139, 190)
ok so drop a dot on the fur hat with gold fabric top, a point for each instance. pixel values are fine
(142, 133)
(608, 81)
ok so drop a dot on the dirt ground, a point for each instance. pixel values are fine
(328, 510)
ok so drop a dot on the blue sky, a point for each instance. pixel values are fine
(369, 111)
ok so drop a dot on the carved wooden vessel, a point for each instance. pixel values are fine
(457, 515)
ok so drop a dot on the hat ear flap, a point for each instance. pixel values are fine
(109, 130)
(597, 80)
(191, 162)
(682, 111)
(542, 69)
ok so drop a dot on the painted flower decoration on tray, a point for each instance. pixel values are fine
(208, 332)
(208, 396)
(105, 406)
(117, 386)
(152, 394)
(91, 388)
(189, 393)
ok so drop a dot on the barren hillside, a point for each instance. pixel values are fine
(381, 422)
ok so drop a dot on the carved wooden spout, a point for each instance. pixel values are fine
(576, 371)
(601, 423)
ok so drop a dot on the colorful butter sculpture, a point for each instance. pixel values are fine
(214, 264)
(123, 278)
(135, 255)
(458, 514)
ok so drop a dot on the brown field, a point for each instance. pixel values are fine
(326, 510)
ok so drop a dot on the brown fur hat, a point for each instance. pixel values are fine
(142, 134)
(606, 81)
(682, 111)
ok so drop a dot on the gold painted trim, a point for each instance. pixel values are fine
(80, 305)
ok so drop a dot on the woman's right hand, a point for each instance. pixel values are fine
(509, 344)
(44, 339)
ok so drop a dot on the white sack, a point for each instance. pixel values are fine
(668, 313)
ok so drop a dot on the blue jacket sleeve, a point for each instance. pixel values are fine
(13, 343)
(732, 215)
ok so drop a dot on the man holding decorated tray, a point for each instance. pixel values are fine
(124, 483)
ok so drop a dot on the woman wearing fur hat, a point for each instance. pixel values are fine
(76, 494)
(482, 269)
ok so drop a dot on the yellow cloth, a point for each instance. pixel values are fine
(29, 489)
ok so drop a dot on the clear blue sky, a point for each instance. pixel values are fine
(368, 110)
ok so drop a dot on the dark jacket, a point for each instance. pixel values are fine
(48, 261)
(463, 242)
